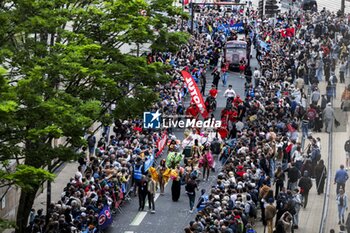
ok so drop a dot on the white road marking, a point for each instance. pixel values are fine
(141, 215)
(138, 219)
(128, 232)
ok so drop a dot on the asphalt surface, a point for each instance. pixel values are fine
(172, 216)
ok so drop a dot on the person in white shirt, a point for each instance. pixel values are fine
(297, 157)
(230, 93)
(256, 77)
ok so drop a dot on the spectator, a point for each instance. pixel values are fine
(342, 202)
(305, 185)
(341, 176)
(270, 212)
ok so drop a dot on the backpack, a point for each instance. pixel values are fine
(281, 202)
(335, 79)
(252, 210)
(316, 154)
(254, 196)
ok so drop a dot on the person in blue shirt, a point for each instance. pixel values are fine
(341, 176)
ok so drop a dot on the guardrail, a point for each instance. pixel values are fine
(328, 184)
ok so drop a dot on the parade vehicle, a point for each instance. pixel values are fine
(308, 5)
(235, 51)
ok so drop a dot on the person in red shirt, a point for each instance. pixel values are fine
(234, 115)
(137, 128)
(192, 111)
(240, 171)
(213, 91)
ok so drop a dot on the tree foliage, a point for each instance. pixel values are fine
(62, 68)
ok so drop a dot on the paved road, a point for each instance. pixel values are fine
(171, 217)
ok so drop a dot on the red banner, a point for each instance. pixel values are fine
(196, 96)
(161, 144)
(288, 32)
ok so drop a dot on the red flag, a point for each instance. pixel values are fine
(186, 2)
(196, 96)
(161, 144)
(290, 32)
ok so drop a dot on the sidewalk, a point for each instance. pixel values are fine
(66, 172)
(310, 217)
(339, 139)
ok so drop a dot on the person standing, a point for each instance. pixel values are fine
(203, 82)
(297, 199)
(297, 157)
(347, 153)
(143, 191)
(279, 180)
(256, 77)
(315, 96)
(334, 80)
(270, 212)
(305, 185)
(152, 188)
(323, 102)
(328, 117)
(293, 176)
(176, 185)
(342, 202)
(91, 144)
(230, 94)
(224, 71)
(203, 200)
(191, 188)
(161, 179)
(321, 174)
(342, 69)
(137, 174)
(216, 78)
(206, 161)
(341, 176)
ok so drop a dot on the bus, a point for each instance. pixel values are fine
(235, 51)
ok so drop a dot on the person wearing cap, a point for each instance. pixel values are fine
(270, 212)
(328, 117)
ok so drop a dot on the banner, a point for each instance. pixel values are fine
(196, 95)
(149, 162)
(239, 27)
(288, 32)
(161, 144)
(105, 218)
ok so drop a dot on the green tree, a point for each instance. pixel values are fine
(63, 68)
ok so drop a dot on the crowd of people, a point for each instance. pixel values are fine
(265, 164)
(113, 167)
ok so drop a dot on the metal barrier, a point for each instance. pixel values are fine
(328, 186)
